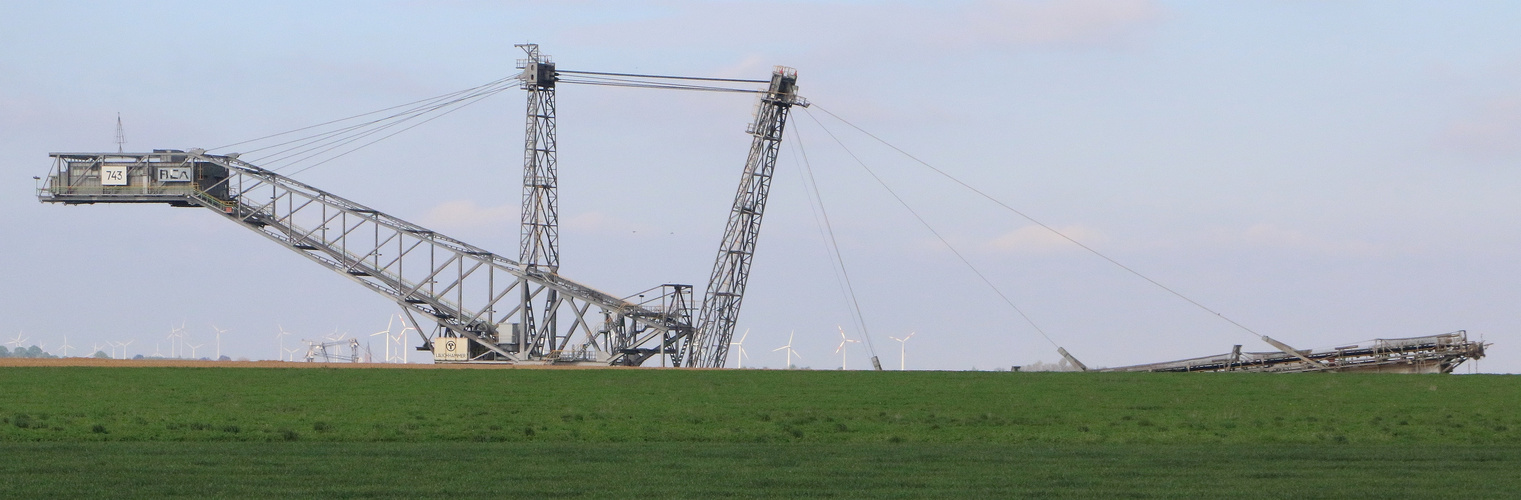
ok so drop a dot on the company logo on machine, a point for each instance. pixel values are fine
(174, 174)
(451, 349)
(113, 176)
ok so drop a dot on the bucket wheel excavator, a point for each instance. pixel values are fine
(483, 307)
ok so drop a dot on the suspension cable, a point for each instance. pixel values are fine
(1043, 225)
(932, 230)
(434, 98)
(663, 77)
(832, 243)
(387, 136)
(657, 85)
(334, 142)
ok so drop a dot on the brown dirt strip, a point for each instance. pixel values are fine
(188, 363)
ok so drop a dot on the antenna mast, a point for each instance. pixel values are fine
(121, 137)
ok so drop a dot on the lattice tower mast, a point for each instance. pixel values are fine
(539, 249)
(731, 271)
(540, 246)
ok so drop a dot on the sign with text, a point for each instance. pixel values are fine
(451, 349)
(113, 175)
(174, 174)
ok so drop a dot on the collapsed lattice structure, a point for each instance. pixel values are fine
(1430, 354)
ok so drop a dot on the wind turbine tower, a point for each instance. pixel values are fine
(280, 337)
(789, 349)
(219, 340)
(903, 352)
(741, 347)
(844, 341)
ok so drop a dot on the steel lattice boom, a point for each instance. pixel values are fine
(1429, 354)
(736, 253)
(467, 291)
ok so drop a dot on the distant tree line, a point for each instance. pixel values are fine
(24, 352)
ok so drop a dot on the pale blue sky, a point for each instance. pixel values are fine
(1323, 172)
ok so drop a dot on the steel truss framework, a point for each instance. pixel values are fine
(465, 290)
(1430, 354)
(736, 252)
(540, 244)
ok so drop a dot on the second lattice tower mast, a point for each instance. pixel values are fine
(726, 286)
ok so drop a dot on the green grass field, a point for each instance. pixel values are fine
(76, 431)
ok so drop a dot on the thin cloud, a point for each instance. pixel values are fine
(854, 28)
(1036, 239)
(602, 223)
(1492, 130)
(468, 215)
(1058, 23)
(1269, 236)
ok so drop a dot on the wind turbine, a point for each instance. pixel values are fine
(789, 349)
(156, 352)
(903, 353)
(65, 347)
(291, 351)
(741, 346)
(401, 339)
(98, 346)
(841, 349)
(124, 348)
(193, 347)
(174, 333)
(219, 340)
(181, 337)
(16, 343)
(390, 320)
(281, 338)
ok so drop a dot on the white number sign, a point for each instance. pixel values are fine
(113, 176)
